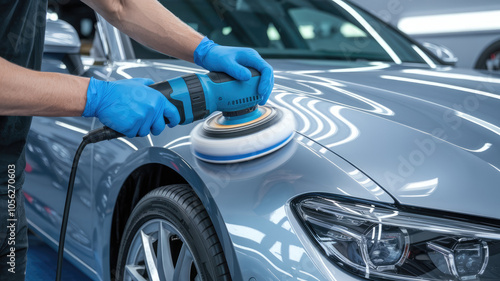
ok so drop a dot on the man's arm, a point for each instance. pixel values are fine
(120, 104)
(151, 24)
(25, 92)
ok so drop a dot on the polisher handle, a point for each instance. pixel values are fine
(165, 88)
(198, 95)
(221, 77)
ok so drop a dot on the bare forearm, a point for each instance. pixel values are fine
(25, 92)
(148, 22)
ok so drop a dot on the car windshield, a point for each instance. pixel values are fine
(308, 29)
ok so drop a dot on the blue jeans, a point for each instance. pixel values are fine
(13, 237)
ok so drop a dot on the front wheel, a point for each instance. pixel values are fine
(170, 237)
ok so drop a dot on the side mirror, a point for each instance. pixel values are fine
(62, 41)
(443, 53)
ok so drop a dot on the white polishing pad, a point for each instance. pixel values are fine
(251, 140)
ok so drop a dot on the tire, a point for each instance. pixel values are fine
(192, 252)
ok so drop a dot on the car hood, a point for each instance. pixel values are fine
(429, 137)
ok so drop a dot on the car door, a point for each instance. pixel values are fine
(51, 145)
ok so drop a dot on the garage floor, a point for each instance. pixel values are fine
(42, 263)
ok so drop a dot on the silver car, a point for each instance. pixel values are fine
(393, 173)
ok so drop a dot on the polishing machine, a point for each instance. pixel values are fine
(242, 130)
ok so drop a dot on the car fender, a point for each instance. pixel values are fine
(109, 184)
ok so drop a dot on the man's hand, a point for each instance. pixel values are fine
(234, 61)
(130, 106)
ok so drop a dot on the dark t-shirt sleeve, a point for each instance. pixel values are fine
(22, 31)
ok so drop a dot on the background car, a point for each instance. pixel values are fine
(470, 29)
(392, 173)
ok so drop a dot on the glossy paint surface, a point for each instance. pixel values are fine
(409, 134)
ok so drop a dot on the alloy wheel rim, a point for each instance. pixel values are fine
(158, 252)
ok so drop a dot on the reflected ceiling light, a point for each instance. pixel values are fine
(176, 140)
(442, 85)
(178, 68)
(246, 232)
(361, 69)
(487, 125)
(485, 79)
(319, 122)
(419, 188)
(377, 107)
(150, 140)
(483, 148)
(299, 114)
(180, 144)
(354, 132)
(448, 23)
(71, 127)
(332, 128)
(128, 143)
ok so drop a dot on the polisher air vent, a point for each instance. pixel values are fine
(243, 100)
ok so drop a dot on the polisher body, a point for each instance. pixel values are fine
(242, 131)
(198, 95)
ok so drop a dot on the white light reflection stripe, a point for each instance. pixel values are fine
(377, 107)
(341, 190)
(176, 140)
(370, 30)
(351, 69)
(453, 75)
(246, 232)
(361, 69)
(442, 85)
(459, 22)
(128, 143)
(119, 43)
(320, 126)
(289, 89)
(150, 140)
(332, 128)
(307, 124)
(485, 147)
(264, 257)
(355, 172)
(494, 167)
(420, 189)
(71, 127)
(335, 110)
(180, 68)
(480, 122)
(180, 144)
(121, 71)
(421, 185)
(424, 56)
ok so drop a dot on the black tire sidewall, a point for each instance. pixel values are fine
(156, 206)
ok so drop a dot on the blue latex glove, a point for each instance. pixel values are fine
(130, 106)
(233, 61)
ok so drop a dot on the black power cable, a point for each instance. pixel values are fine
(94, 136)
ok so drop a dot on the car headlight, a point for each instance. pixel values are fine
(379, 241)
